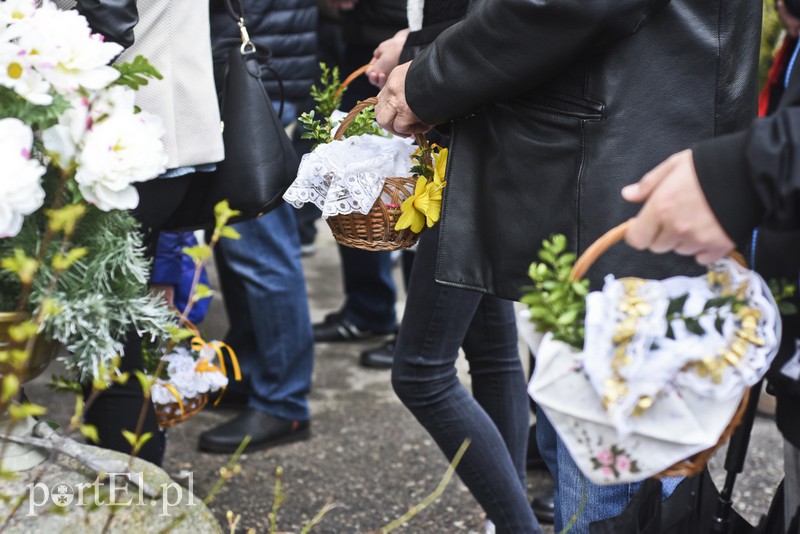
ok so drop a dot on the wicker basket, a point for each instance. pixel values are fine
(696, 463)
(375, 230)
(170, 414)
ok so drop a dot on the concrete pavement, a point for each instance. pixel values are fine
(367, 453)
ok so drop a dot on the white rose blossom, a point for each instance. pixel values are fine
(21, 190)
(117, 152)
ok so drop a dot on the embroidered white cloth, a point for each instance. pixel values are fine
(347, 176)
(647, 393)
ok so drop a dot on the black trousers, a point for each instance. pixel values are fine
(118, 408)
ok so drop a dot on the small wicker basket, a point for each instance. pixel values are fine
(171, 414)
(375, 230)
(696, 463)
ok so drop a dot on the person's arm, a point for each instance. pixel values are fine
(700, 201)
(113, 19)
(506, 47)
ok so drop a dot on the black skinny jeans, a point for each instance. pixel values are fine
(436, 322)
(118, 408)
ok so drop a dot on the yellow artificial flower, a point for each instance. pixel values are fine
(425, 205)
(440, 166)
(414, 208)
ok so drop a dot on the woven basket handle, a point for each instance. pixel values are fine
(422, 142)
(347, 81)
(606, 241)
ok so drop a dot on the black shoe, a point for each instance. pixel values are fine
(534, 460)
(378, 357)
(264, 430)
(231, 400)
(544, 507)
(336, 327)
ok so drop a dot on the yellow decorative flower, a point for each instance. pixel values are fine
(425, 205)
(440, 166)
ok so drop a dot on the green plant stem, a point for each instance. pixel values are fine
(46, 238)
(329, 505)
(433, 496)
(217, 485)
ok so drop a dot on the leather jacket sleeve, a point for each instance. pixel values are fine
(114, 19)
(504, 48)
(753, 177)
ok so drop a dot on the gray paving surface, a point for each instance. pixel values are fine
(367, 453)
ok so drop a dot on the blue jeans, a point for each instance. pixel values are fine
(369, 289)
(270, 327)
(437, 321)
(601, 502)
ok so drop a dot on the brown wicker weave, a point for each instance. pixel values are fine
(696, 463)
(375, 230)
(170, 414)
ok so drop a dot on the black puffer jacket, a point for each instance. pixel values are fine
(557, 104)
(288, 28)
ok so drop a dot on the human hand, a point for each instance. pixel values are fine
(392, 111)
(790, 22)
(167, 291)
(676, 215)
(385, 58)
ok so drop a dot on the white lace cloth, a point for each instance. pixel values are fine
(347, 176)
(689, 411)
(657, 360)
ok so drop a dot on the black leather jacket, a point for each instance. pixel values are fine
(114, 19)
(557, 104)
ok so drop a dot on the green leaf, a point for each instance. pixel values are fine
(26, 409)
(178, 334)
(130, 437)
(567, 317)
(62, 262)
(559, 243)
(90, 433)
(60, 383)
(144, 381)
(787, 308)
(22, 265)
(719, 322)
(676, 305)
(202, 291)
(229, 233)
(136, 73)
(693, 326)
(670, 332)
(198, 253)
(10, 387)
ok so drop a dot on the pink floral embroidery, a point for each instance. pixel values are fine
(614, 462)
(623, 463)
(605, 457)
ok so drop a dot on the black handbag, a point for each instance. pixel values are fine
(260, 162)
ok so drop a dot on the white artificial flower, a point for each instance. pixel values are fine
(66, 53)
(21, 190)
(14, 11)
(118, 151)
(160, 394)
(61, 141)
(115, 100)
(17, 72)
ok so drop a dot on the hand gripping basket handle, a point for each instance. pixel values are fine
(609, 239)
(422, 142)
(696, 463)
